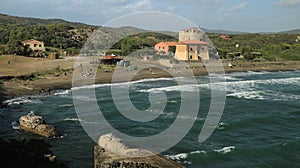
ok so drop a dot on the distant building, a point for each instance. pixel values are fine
(192, 50)
(163, 47)
(191, 34)
(225, 37)
(35, 45)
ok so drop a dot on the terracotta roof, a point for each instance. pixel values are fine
(32, 41)
(192, 42)
(167, 43)
(171, 43)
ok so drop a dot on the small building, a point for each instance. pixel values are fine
(35, 45)
(225, 37)
(53, 56)
(110, 59)
(192, 50)
(163, 48)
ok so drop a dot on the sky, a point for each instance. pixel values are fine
(235, 15)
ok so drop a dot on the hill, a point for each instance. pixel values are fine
(26, 21)
(295, 31)
(222, 31)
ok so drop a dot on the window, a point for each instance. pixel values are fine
(163, 48)
(191, 49)
(202, 49)
(34, 45)
(159, 47)
(191, 57)
(40, 45)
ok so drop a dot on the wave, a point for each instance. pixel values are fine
(182, 156)
(248, 95)
(249, 73)
(264, 95)
(63, 92)
(122, 83)
(66, 105)
(72, 119)
(81, 121)
(21, 100)
(184, 88)
(221, 126)
(225, 150)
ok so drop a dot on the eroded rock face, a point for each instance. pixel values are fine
(112, 153)
(36, 124)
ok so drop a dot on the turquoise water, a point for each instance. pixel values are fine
(259, 126)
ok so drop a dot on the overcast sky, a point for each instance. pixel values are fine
(237, 15)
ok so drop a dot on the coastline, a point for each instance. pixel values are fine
(14, 87)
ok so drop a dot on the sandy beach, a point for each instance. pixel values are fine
(21, 76)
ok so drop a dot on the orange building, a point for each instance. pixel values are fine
(192, 50)
(163, 47)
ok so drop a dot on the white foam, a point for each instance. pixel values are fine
(248, 95)
(121, 83)
(178, 157)
(225, 150)
(249, 73)
(183, 88)
(221, 126)
(172, 101)
(181, 157)
(64, 92)
(21, 100)
(66, 105)
(72, 119)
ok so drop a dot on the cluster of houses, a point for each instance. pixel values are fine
(190, 47)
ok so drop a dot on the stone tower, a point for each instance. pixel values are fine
(191, 34)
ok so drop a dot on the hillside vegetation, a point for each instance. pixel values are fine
(71, 37)
(272, 47)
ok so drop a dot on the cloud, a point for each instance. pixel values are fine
(235, 8)
(137, 6)
(286, 3)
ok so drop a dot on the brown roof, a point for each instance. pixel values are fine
(167, 43)
(196, 42)
(32, 41)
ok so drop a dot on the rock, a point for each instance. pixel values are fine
(112, 153)
(113, 144)
(36, 124)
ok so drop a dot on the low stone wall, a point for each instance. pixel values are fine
(36, 124)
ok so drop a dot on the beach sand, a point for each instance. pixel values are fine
(16, 77)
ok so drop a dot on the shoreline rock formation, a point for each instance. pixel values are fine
(112, 153)
(36, 124)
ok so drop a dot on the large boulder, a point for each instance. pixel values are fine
(36, 124)
(111, 152)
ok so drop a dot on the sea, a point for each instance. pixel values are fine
(259, 126)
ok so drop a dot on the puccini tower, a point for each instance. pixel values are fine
(191, 34)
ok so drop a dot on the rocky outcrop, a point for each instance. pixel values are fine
(37, 125)
(112, 153)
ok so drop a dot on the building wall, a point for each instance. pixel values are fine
(36, 45)
(161, 47)
(191, 34)
(181, 52)
(192, 53)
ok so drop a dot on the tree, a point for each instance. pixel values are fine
(172, 49)
(14, 47)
